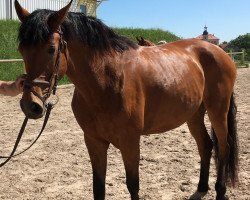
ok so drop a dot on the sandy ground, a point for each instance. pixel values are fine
(58, 166)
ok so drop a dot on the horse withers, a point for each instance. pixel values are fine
(123, 91)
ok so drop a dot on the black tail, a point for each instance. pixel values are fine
(232, 165)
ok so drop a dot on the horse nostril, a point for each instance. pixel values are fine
(36, 108)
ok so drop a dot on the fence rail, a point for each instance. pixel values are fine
(242, 55)
(11, 60)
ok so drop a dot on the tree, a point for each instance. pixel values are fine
(241, 42)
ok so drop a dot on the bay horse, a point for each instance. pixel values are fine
(123, 91)
(143, 42)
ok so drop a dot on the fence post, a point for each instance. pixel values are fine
(11, 4)
(231, 54)
(243, 57)
(7, 8)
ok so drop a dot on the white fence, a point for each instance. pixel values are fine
(240, 56)
(11, 60)
(7, 8)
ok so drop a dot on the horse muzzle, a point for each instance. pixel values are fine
(33, 108)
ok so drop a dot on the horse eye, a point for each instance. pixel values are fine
(51, 50)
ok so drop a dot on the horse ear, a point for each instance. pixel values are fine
(21, 12)
(138, 39)
(57, 18)
(142, 39)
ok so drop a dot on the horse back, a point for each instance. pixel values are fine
(155, 89)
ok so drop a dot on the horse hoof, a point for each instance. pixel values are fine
(197, 195)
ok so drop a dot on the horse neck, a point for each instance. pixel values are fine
(86, 69)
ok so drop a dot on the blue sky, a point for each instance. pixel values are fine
(226, 19)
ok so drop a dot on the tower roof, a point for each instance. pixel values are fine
(209, 37)
(205, 31)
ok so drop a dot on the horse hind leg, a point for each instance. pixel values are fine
(222, 117)
(205, 145)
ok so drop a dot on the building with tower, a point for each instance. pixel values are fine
(208, 37)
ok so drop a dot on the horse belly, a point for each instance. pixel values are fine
(167, 118)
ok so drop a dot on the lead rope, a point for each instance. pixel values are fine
(20, 134)
(48, 111)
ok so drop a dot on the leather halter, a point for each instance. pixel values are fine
(53, 82)
(28, 84)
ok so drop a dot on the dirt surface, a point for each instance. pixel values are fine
(58, 165)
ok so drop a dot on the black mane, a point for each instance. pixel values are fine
(89, 30)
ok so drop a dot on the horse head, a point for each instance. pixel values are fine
(144, 42)
(44, 54)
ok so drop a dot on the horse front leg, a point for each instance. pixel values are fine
(97, 150)
(130, 150)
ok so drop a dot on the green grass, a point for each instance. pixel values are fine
(8, 50)
(154, 35)
(8, 45)
(239, 64)
(8, 39)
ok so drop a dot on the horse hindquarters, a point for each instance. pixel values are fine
(220, 75)
(226, 151)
